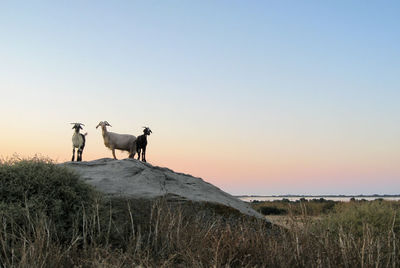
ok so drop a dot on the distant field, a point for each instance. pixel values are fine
(314, 207)
(333, 198)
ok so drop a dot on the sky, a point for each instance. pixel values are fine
(255, 97)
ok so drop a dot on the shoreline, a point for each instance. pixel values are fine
(344, 198)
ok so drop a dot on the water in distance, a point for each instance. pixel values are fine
(342, 198)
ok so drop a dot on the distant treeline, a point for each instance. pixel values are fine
(322, 196)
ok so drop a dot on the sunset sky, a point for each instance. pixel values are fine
(255, 97)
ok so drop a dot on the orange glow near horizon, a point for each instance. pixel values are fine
(224, 166)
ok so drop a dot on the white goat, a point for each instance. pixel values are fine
(78, 141)
(115, 141)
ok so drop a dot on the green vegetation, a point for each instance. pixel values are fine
(312, 207)
(36, 188)
(378, 217)
(51, 219)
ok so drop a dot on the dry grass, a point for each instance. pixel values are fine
(172, 237)
(160, 233)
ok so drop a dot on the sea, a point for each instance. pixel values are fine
(328, 197)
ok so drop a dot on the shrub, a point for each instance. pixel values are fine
(37, 188)
(313, 207)
(272, 211)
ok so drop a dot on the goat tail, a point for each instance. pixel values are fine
(85, 134)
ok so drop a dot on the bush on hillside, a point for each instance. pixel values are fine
(35, 188)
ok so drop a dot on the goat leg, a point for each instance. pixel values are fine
(144, 154)
(79, 155)
(113, 153)
(73, 154)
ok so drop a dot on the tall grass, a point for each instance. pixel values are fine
(121, 232)
(170, 237)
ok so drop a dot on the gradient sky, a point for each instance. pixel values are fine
(255, 97)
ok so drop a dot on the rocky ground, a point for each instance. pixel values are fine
(135, 179)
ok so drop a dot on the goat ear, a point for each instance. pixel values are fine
(107, 124)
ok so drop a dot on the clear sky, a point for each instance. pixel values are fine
(255, 97)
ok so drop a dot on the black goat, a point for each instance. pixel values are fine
(141, 143)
